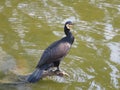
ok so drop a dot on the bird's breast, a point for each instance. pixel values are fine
(61, 50)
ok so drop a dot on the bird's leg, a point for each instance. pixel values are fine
(56, 64)
(58, 69)
(60, 73)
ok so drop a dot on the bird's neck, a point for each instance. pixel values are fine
(67, 31)
(69, 35)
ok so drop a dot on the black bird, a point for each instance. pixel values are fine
(53, 55)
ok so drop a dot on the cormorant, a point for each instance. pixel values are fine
(53, 55)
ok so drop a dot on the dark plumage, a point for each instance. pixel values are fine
(53, 55)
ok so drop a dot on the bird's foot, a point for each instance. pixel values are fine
(57, 71)
(61, 73)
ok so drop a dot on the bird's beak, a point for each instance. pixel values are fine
(69, 26)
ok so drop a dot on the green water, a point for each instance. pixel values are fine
(27, 27)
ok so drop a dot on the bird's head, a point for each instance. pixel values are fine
(69, 25)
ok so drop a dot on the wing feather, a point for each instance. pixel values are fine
(54, 52)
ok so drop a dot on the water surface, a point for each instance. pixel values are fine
(27, 27)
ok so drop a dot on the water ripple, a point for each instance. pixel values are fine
(7, 62)
(115, 52)
(115, 75)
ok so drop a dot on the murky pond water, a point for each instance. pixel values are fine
(27, 27)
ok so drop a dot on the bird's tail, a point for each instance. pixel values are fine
(35, 76)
